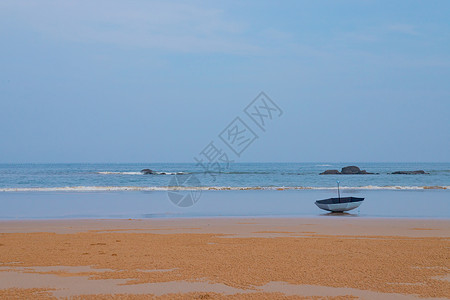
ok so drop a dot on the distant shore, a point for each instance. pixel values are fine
(226, 258)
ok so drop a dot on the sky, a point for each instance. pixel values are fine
(157, 81)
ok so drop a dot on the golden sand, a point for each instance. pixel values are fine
(268, 296)
(410, 258)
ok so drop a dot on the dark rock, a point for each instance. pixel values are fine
(330, 172)
(146, 171)
(364, 172)
(410, 172)
(351, 170)
(354, 170)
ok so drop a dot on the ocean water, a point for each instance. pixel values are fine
(55, 191)
(96, 177)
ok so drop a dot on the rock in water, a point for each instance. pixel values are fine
(418, 172)
(365, 172)
(351, 170)
(330, 172)
(146, 171)
(354, 170)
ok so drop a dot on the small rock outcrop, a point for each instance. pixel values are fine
(418, 172)
(146, 171)
(330, 172)
(349, 170)
(365, 172)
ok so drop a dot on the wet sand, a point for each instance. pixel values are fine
(229, 258)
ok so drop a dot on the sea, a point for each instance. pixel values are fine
(121, 190)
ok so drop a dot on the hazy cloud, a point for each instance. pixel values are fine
(403, 28)
(162, 25)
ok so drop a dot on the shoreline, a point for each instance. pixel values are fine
(325, 215)
(335, 225)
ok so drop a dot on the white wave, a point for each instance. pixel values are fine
(120, 173)
(204, 188)
(84, 189)
(323, 165)
(138, 173)
(169, 173)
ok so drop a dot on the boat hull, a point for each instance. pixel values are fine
(339, 205)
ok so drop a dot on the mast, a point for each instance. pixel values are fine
(339, 193)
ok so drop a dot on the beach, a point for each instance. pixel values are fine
(338, 257)
(224, 150)
(108, 231)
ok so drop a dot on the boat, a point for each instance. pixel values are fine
(339, 204)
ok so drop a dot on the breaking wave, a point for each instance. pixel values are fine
(120, 173)
(218, 188)
(139, 173)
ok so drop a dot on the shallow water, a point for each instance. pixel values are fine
(29, 191)
(251, 203)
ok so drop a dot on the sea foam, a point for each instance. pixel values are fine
(138, 173)
(213, 188)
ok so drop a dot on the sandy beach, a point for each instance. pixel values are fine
(226, 258)
(224, 150)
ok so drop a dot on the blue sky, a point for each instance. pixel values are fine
(150, 81)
